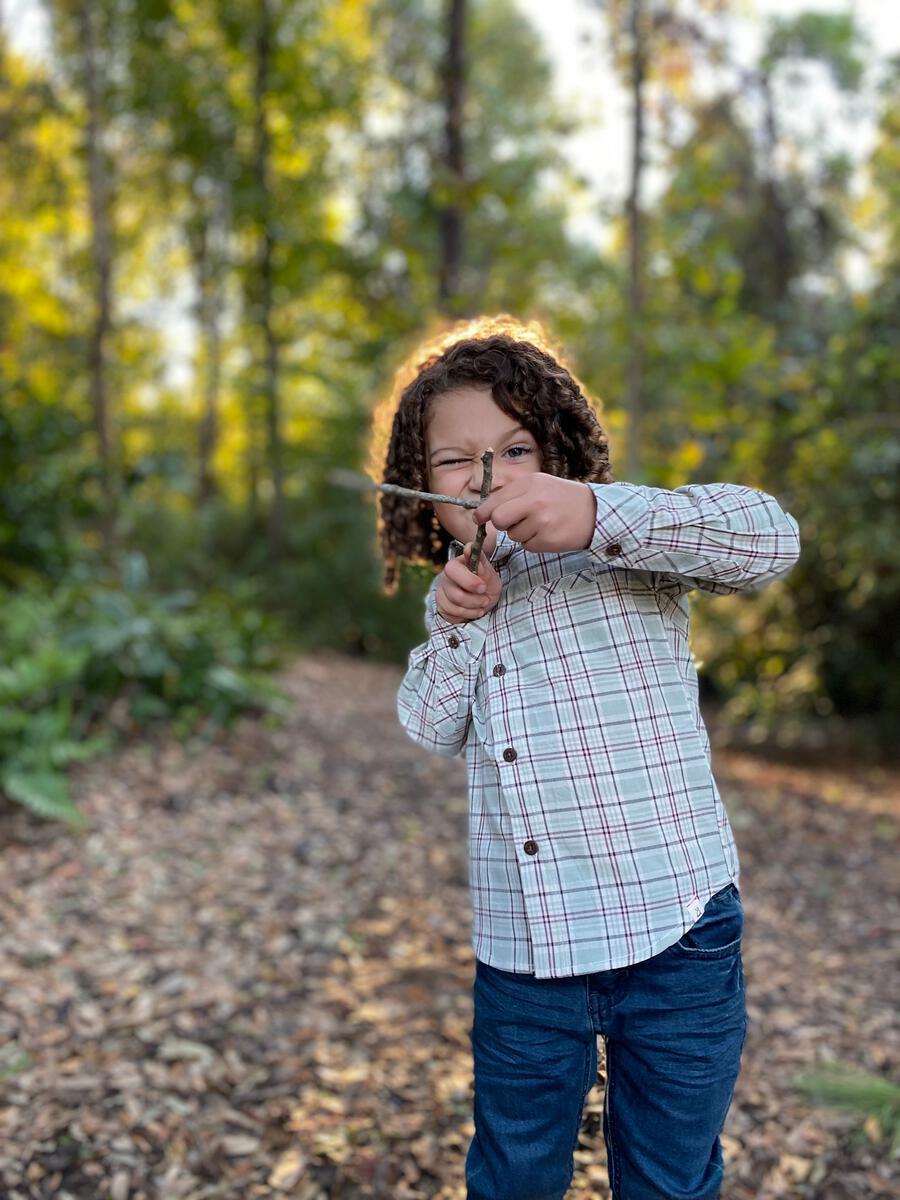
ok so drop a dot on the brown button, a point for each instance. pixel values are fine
(499, 669)
(530, 847)
(453, 640)
(509, 754)
(614, 548)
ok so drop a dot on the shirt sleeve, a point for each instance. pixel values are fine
(719, 537)
(434, 701)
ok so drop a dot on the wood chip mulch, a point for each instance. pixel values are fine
(252, 975)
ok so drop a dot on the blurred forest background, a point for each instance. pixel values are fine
(325, 180)
(239, 967)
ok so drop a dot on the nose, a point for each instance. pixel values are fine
(477, 477)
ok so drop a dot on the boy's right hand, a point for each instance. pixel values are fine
(457, 597)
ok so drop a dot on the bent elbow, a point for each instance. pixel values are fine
(784, 556)
(446, 739)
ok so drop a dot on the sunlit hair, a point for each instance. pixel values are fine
(524, 369)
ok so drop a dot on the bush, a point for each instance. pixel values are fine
(91, 661)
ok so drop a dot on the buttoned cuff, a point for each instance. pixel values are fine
(460, 644)
(621, 523)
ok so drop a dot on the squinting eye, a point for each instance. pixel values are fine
(450, 462)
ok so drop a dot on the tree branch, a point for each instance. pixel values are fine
(487, 462)
(345, 478)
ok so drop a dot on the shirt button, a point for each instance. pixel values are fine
(614, 548)
(530, 847)
(509, 754)
(499, 669)
(453, 640)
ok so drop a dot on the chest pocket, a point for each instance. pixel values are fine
(590, 609)
(527, 587)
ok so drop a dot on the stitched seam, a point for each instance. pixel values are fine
(721, 950)
(611, 1149)
(585, 1088)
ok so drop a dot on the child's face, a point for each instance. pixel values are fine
(461, 425)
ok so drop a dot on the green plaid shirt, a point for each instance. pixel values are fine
(596, 829)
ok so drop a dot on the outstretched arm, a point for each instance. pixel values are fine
(720, 537)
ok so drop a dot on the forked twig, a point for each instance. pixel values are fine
(487, 462)
(345, 478)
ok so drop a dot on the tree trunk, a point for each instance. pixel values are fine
(270, 362)
(783, 262)
(206, 269)
(453, 173)
(102, 253)
(635, 245)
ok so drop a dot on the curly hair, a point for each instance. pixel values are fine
(523, 368)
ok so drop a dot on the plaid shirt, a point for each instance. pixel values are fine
(596, 830)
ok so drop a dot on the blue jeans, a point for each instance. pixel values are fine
(673, 1027)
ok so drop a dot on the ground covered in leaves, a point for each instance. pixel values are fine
(252, 975)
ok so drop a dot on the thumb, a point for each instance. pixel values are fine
(485, 569)
(467, 555)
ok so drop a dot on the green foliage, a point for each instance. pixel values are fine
(92, 660)
(839, 1086)
(832, 39)
(37, 482)
(822, 644)
(847, 460)
(759, 363)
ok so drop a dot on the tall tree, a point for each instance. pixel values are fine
(453, 173)
(178, 95)
(208, 233)
(89, 17)
(653, 42)
(264, 283)
(638, 77)
(796, 229)
(90, 49)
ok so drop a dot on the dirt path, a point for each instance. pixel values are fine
(252, 976)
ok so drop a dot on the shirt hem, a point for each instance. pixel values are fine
(661, 944)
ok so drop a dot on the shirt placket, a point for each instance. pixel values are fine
(516, 778)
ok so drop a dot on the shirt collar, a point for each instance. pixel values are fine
(503, 549)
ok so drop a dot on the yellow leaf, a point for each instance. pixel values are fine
(872, 1128)
(287, 1170)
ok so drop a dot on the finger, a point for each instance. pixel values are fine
(459, 572)
(500, 509)
(484, 570)
(462, 599)
(454, 612)
(525, 532)
(485, 567)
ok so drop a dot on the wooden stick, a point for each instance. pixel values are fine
(345, 478)
(487, 462)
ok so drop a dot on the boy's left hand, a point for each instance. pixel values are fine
(542, 512)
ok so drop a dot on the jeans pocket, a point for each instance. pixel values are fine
(718, 930)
